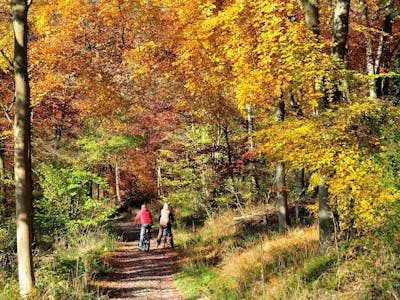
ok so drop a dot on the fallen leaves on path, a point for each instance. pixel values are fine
(138, 274)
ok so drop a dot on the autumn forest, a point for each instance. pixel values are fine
(275, 121)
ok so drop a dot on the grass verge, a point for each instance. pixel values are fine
(222, 262)
(64, 271)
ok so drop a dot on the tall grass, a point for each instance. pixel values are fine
(223, 262)
(65, 271)
(267, 259)
(232, 261)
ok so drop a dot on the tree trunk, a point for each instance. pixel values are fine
(159, 182)
(339, 36)
(311, 15)
(22, 154)
(383, 83)
(300, 191)
(228, 151)
(95, 191)
(340, 29)
(2, 176)
(325, 220)
(117, 180)
(250, 127)
(254, 181)
(282, 194)
(383, 58)
(295, 106)
(281, 189)
(370, 68)
(3, 199)
(299, 173)
(58, 133)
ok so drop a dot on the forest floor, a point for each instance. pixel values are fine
(137, 274)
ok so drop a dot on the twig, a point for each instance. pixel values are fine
(7, 59)
(8, 109)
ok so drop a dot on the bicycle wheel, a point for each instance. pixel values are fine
(164, 237)
(146, 241)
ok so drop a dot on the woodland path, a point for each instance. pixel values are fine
(138, 274)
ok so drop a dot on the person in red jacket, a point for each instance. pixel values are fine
(145, 218)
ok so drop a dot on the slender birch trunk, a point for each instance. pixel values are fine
(117, 180)
(340, 28)
(254, 181)
(159, 182)
(369, 53)
(339, 36)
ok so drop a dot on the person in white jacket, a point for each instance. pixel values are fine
(166, 219)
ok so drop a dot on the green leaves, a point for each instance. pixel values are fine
(65, 204)
(98, 146)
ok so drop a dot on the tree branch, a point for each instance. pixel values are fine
(8, 109)
(7, 59)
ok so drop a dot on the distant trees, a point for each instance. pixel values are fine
(186, 93)
(256, 53)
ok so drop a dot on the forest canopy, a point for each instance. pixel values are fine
(207, 105)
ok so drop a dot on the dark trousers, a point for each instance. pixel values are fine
(160, 233)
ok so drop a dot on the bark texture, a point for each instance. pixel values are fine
(281, 189)
(311, 15)
(340, 29)
(282, 194)
(22, 155)
(324, 215)
(2, 176)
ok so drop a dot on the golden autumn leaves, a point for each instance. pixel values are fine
(211, 58)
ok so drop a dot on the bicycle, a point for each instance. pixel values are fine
(167, 237)
(146, 240)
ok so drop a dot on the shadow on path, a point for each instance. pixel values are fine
(138, 274)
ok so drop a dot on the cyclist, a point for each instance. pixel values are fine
(145, 218)
(166, 219)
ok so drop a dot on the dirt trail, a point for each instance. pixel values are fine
(138, 274)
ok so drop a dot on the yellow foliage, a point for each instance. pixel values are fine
(222, 57)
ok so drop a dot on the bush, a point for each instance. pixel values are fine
(64, 205)
(66, 273)
(317, 266)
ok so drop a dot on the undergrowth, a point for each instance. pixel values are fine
(223, 262)
(64, 272)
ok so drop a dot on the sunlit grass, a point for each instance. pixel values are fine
(224, 262)
(239, 260)
(65, 272)
(269, 257)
